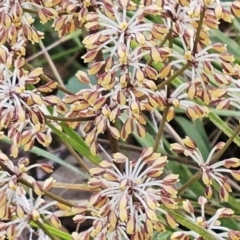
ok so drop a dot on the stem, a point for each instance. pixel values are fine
(161, 128)
(30, 11)
(40, 225)
(176, 74)
(215, 157)
(77, 157)
(47, 79)
(218, 154)
(54, 44)
(198, 30)
(166, 38)
(181, 70)
(113, 142)
(51, 64)
(189, 182)
(75, 186)
(165, 112)
(60, 13)
(73, 119)
(49, 194)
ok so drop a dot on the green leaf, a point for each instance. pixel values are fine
(191, 225)
(56, 232)
(225, 112)
(72, 134)
(76, 145)
(218, 36)
(223, 126)
(161, 236)
(147, 141)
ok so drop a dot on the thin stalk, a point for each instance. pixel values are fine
(75, 186)
(56, 43)
(49, 194)
(165, 111)
(32, 11)
(166, 38)
(176, 74)
(73, 119)
(199, 30)
(51, 64)
(43, 227)
(77, 157)
(194, 178)
(161, 129)
(218, 154)
(181, 70)
(114, 148)
(113, 141)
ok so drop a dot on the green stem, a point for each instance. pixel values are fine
(77, 157)
(189, 182)
(114, 148)
(57, 232)
(113, 141)
(40, 225)
(166, 38)
(175, 75)
(161, 128)
(218, 154)
(32, 11)
(199, 30)
(165, 112)
(74, 119)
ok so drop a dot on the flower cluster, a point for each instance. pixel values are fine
(123, 48)
(16, 26)
(212, 225)
(146, 56)
(22, 109)
(18, 205)
(211, 172)
(129, 201)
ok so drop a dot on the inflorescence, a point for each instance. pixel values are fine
(130, 52)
